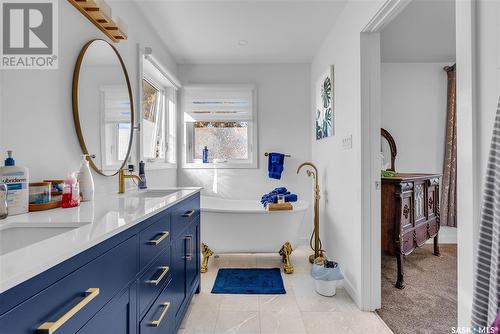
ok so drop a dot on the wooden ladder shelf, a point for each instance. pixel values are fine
(99, 18)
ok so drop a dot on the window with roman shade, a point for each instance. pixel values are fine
(223, 119)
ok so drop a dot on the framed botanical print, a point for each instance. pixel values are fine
(325, 98)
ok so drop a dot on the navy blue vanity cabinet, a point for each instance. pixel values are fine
(153, 280)
(139, 281)
(160, 317)
(184, 214)
(185, 255)
(67, 305)
(191, 262)
(193, 258)
(155, 238)
(178, 272)
(117, 317)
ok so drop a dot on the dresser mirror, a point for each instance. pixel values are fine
(388, 150)
(103, 107)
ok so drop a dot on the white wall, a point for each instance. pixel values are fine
(340, 170)
(414, 98)
(406, 39)
(37, 112)
(283, 113)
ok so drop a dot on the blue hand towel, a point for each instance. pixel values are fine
(275, 165)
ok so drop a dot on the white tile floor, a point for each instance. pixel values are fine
(300, 310)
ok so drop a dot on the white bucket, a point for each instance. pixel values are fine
(326, 288)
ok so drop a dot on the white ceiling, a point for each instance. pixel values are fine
(423, 32)
(208, 31)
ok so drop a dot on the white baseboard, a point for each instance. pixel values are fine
(352, 292)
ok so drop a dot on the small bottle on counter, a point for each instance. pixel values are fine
(71, 192)
(17, 179)
(4, 207)
(205, 155)
(142, 175)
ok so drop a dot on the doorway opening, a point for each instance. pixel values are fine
(418, 167)
(372, 122)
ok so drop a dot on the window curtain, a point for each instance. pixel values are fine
(486, 296)
(449, 181)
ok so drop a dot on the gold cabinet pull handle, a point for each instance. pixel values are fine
(189, 256)
(156, 323)
(52, 327)
(164, 235)
(188, 214)
(158, 280)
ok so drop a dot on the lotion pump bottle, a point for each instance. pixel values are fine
(4, 207)
(17, 179)
(85, 180)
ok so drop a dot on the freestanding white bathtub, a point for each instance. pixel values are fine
(244, 226)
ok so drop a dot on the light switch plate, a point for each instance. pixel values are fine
(347, 142)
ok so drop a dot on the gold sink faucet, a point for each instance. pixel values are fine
(122, 177)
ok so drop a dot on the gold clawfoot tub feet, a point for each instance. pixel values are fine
(206, 252)
(285, 252)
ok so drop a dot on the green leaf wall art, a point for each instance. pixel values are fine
(325, 98)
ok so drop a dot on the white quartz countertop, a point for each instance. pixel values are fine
(95, 222)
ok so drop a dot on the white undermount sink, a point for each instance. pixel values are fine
(19, 235)
(153, 193)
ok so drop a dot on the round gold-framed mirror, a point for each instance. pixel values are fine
(103, 107)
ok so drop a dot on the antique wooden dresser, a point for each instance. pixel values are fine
(410, 215)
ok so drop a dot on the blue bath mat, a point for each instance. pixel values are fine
(265, 281)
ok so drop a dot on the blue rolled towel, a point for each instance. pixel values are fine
(276, 191)
(291, 198)
(272, 197)
(275, 165)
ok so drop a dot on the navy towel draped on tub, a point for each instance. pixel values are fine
(275, 165)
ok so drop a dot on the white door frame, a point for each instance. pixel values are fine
(371, 289)
(468, 179)
(370, 146)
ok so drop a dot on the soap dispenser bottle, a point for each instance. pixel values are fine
(85, 180)
(142, 175)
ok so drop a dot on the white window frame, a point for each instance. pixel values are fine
(169, 88)
(188, 135)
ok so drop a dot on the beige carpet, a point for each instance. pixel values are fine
(428, 303)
